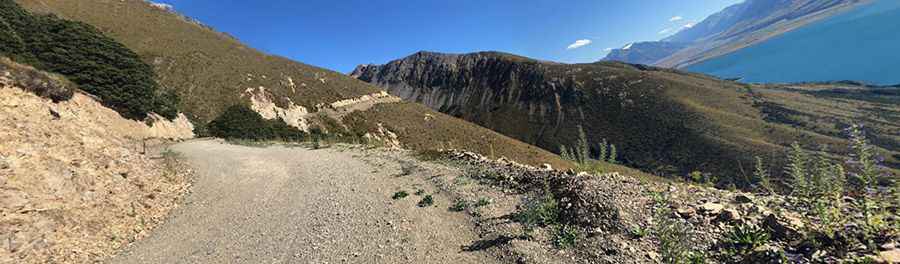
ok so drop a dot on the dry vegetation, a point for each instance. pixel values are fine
(662, 121)
(76, 182)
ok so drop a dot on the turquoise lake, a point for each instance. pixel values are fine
(862, 44)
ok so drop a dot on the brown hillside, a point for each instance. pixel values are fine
(664, 121)
(211, 71)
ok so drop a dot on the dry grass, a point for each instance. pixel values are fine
(208, 69)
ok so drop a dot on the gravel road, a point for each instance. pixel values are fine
(295, 205)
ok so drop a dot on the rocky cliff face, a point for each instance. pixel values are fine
(545, 104)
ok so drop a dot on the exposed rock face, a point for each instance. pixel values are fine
(270, 107)
(263, 103)
(75, 183)
(645, 52)
(545, 103)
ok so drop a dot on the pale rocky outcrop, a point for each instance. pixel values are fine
(75, 184)
(263, 103)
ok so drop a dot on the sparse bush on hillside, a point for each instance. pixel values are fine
(796, 170)
(820, 185)
(241, 122)
(98, 64)
(673, 235)
(742, 239)
(871, 200)
(762, 177)
(613, 154)
(603, 148)
(539, 212)
(43, 84)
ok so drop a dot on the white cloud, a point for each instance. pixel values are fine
(675, 18)
(608, 49)
(627, 46)
(665, 31)
(690, 25)
(579, 43)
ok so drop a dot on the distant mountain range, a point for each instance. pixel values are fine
(731, 29)
(663, 121)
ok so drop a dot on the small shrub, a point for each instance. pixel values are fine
(565, 236)
(796, 170)
(543, 211)
(638, 232)
(43, 84)
(419, 192)
(400, 195)
(613, 154)
(482, 202)
(427, 201)
(459, 206)
(672, 234)
(241, 122)
(603, 149)
(762, 177)
(741, 240)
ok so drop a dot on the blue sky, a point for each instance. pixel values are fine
(339, 35)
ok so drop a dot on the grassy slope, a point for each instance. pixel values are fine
(827, 109)
(661, 120)
(210, 70)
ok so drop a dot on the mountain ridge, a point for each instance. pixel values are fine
(658, 117)
(738, 26)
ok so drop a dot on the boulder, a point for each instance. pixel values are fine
(743, 198)
(685, 212)
(546, 166)
(890, 256)
(729, 215)
(711, 208)
(785, 226)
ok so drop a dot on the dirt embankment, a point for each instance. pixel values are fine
(74, 183)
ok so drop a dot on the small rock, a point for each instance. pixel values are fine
(743, 198)
(546, 166)
(890, 256)
(3, 164)
(653, 256)
(765, 254)
(785, 226)
(711, 208)
(729, 215)
(685, 212)
(888, 246)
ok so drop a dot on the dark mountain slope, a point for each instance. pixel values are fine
(663, 121)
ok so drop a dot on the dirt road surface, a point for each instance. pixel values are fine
(282, 204)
